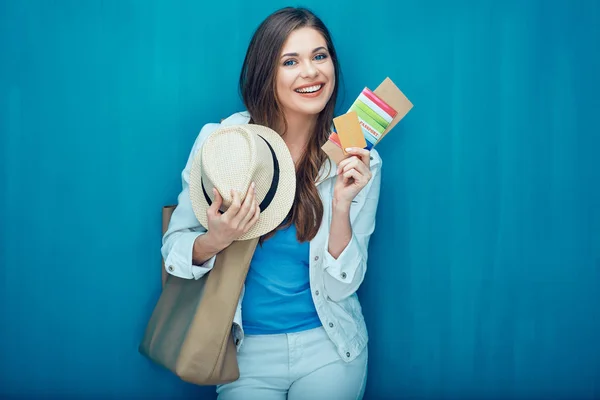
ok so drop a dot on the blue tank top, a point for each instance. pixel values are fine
(277, 296)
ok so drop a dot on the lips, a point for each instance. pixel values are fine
(309, 89)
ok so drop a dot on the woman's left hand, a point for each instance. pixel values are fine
(353, 174)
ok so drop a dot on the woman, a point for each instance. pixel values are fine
(303, 332)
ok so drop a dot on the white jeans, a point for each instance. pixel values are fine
(295, 366)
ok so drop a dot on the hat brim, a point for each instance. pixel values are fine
(282, 202)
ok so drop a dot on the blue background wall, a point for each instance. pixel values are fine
(484, 280)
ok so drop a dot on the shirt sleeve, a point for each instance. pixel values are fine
(345, 274)
(184, 227)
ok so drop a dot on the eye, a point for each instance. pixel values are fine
(288, 63)
(320, 57)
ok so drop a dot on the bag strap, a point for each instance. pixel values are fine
(167, 212)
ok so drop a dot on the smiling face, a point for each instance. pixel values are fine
(305, 75)
(290, 75)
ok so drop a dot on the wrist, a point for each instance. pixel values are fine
(211, 243)
(341, 206)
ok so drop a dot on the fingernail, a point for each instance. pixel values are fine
(214, 191)
(253, 185)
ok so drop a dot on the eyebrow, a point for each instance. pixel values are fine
(296, 54)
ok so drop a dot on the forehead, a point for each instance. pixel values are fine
(303, 40)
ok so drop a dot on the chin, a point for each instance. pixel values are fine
(310, 109)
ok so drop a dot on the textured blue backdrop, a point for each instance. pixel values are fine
(484, 278)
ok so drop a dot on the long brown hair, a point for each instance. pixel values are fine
(258, 90)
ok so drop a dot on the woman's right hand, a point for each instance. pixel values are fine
(224, 228)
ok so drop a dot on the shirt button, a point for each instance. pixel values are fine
(171, 268)
(331, 324)
(317, 293)
(316, 258)
(343, 275)
(348, 355)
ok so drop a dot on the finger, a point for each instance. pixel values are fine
(355, 162)
(351, 174)
(216, 204)
(357, 151)
(357, 165)
(234, 208)
(345, 163)
(249, 215)
(245, 208)
(363, 154)
(254, 219)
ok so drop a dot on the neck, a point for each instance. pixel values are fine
(300, 129)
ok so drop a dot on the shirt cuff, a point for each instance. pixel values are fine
(179, 261)
(344, 267)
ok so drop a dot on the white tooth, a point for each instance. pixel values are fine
(309, 89)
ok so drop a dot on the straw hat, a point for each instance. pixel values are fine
(234, 156)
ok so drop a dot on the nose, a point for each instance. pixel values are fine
(309, 71)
